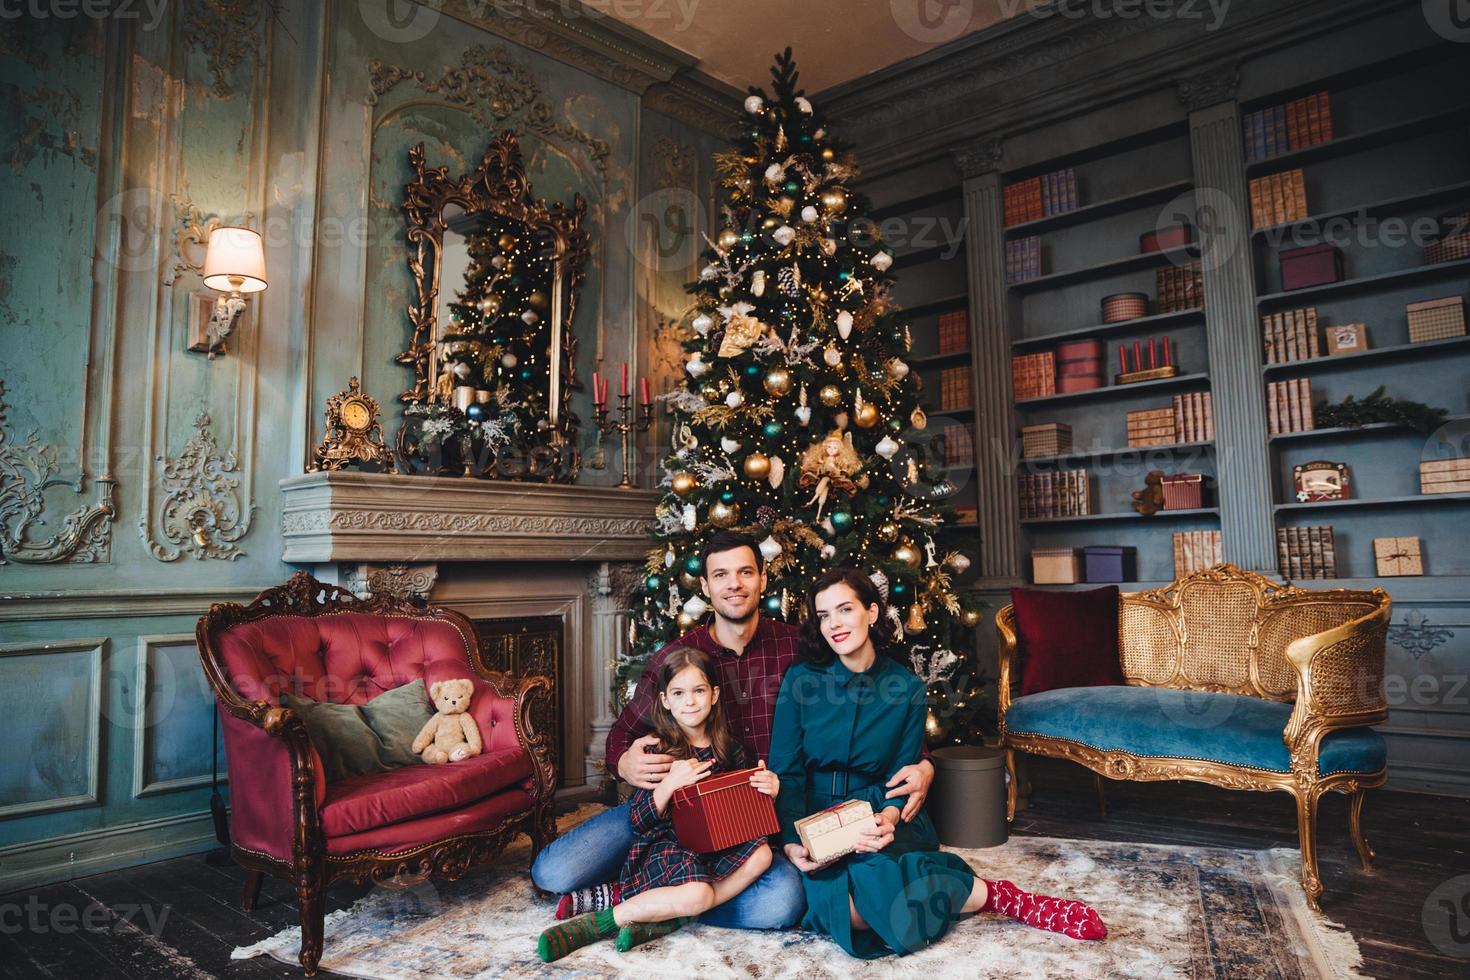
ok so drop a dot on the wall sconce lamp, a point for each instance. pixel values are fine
(234, 264)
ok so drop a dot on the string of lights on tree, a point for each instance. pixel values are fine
(799, 421)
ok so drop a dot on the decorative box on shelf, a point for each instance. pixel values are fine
(1079, 365)
(1151, 427)
(1109, 563)
(1045, 439)
(1310, 265)
(1056, 566)
(1170, 236)
(1184, 491)
(1347, 338)
(1454, 244)
(722, 811)
(1436, 319)
(833, 833)
(1445, 475)
(1320, 480)
(1398, 556)
(1124, 306)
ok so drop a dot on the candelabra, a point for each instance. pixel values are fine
(626, 425)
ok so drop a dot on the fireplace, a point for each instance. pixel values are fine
(544, 571)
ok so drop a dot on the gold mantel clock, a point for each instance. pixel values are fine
(353, 432)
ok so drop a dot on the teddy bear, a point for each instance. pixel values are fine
(451, 735)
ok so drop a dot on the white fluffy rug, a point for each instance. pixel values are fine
(1171, 912)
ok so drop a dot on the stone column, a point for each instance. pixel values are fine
(1242, 452)
(610, 586)
(990, 344)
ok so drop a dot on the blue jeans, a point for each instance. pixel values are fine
(593, 852)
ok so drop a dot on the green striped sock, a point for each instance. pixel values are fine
(574, 933)
(637, 933)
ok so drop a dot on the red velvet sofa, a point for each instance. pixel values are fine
(286, 820)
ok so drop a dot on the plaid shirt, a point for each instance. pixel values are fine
(749, 682)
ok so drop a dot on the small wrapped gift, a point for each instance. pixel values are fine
(833, 833)
(721, 811)
(1398, 556)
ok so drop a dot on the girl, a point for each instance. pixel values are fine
(846, 721)
(664, 885)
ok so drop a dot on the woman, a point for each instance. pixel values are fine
(846, 720)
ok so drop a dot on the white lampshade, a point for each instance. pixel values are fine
(235, 253)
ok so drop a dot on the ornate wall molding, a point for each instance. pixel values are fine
(1416, 636)
(399, 580)
(227, 32)
(492, 87)
(977, 157)
(27, 471)
(1216, 84)
(200, 512)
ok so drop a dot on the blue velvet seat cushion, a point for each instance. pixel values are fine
(1157, 721)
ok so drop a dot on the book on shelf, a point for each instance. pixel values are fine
(1306, 552)
(1195, 551)
(954, 332)
(1180, 287)
(1294, 125)
(954, 388)
(1194, 417)
(1291, 335)
(1023, 259)
(1151, 427)
(1445, 475)
(959, 448)
(1033, 375)
(1289, 406)
(1278, 199)
(1065, 493)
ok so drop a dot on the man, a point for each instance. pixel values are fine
(753, 654)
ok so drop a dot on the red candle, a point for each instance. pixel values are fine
(1123, 358)
(643, 391)
(1152, 358)
(1167, 361)
(1137, 356)
(623, 389)
(596, 389)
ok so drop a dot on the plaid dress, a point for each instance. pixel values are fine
(657, 859)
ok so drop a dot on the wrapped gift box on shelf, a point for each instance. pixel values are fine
(1444, 475)
(1184, 491)
(1056, 566)
(1310, 265)
(721, 811)
(833, 833)
(1398, 556)
(1109, 563)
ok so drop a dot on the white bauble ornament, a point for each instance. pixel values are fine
(696, 606)
(819, 134)
(758, 283)
(729, 445)
(529, 318)
(461, 370)
(784, 235)
(810, 214)
(696, 366)
(803, 105)
(803, 414)
(702, 323)
(887, 447)
(778, 471)
(957, 560)
(509, 360)
(734, 399)
(829, 552)
(898, 369)
(881, 261)
(498, 262)
(770, 548)
(668, 557)
(690, 517)
(832, 356)
(844, 324)
(774, 174)
(754, 104)
(827, 527)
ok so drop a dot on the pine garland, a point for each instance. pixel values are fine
(1354, 413)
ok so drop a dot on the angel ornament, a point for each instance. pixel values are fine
(827, 465)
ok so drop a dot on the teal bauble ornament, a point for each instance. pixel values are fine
(898, 589)
(753, 371)
(476, 412)
(883, 500)
(791, 187)
(654, 583)
(895, 425)
(772, 604)
(773, 429)
(727, 496)
(525, 374)
(694, 565)
(842, 519)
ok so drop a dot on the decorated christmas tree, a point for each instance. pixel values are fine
(799, 421)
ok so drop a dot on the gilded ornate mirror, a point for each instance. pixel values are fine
(495, 274)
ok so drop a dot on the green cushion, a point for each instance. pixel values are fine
(374, 737)
(1164, 722)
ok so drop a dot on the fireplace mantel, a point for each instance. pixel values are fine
(385, 517)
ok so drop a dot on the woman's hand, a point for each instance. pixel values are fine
(686, 772)
(913, 782)
(765, 781)
(796, 854)
(871, 841)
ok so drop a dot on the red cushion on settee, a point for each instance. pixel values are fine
(1067, 639)
(377, 799)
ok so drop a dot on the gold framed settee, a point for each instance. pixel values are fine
(1212, 663)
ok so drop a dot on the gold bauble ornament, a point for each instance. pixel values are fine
(888, 531)
(727, 239)
(770, 223)
(686, 622)
(918, 419)
(866, 416)
(757, 466)
(711, 393)
(833, 199)
(490, 304)
(907, 554)
(827, 153)
(830, 396)
(684, 483)
(778, 382)
(722, 514)
(506, 241)
(537, 299)
(970, 617)
(690, 582)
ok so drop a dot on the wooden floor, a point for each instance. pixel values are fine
(1421, 841)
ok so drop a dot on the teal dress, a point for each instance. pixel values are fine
(840, 735)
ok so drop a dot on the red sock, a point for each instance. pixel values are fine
(1043, 912)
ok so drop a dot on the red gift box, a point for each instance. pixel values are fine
(721, 811)
(1310, 265)
(1171, 236)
